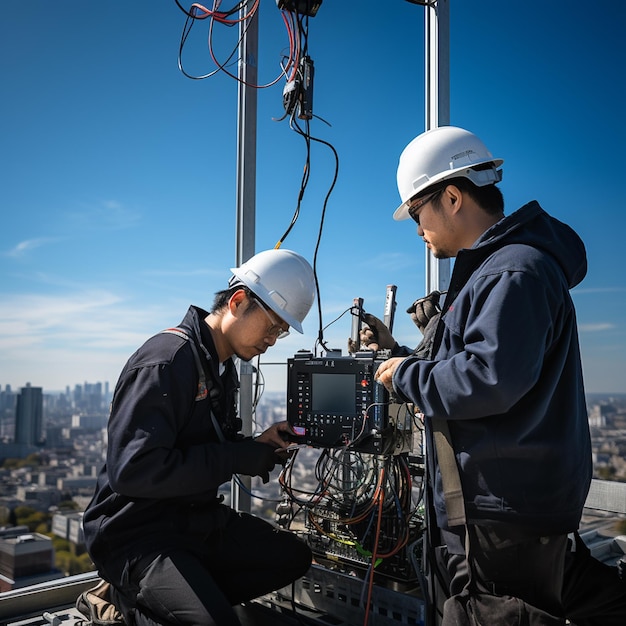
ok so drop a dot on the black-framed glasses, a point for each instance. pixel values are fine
(419, 203)
(275, 330)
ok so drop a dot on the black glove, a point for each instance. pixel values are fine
(425, 349)
(374, 336)
(424, 309)
(253, 458)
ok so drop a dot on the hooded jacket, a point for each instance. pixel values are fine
(507, 377)
(165, 461)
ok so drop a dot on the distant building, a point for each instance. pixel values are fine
(77, 484)
(26, 559)
(7, 413)
(48, 476)
(55, 437)
(68, 525)
(16, 451)
(29, 416)
(90, 421)
(39, 498)
(597, 416)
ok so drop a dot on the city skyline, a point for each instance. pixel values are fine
(45, 488)
(107, 390)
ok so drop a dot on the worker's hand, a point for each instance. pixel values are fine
(424, 309)
(253, 458)
(374, 336)
(279, 435)
(385, 371)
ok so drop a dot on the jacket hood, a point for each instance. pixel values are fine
(532, 226)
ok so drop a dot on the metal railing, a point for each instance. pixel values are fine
(44, 597)
(605, 495)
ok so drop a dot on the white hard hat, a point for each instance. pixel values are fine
(283, 280)
(440, 153)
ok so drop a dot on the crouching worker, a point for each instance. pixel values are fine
(156, 528)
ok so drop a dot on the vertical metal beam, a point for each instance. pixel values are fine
(246, 203)
(437, 59)
(246, 136)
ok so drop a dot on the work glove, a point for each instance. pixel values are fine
(253, 458)
(374, 336)
(424, 309)
(425, 348)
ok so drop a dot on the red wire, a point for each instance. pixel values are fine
(204, 10)
(294, 45)
(201, 12)
(370, 585)
(221, 16)
(291, 61)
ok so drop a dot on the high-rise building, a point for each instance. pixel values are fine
(29, 416)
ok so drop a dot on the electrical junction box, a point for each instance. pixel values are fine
(304, 7)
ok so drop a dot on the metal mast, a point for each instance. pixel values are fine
(437, 61)
(246, 203)
(437, 96)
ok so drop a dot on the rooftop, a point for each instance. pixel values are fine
(324, 596)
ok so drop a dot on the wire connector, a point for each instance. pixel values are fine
(291, 94)
(299, 91)
(306, 89)
(303, 7)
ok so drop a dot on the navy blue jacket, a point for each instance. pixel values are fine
(507, 376)
(165, 462)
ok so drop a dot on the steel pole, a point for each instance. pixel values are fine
(246, 205)
(437, 60)
(437, 109)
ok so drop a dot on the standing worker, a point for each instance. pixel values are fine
(504, 378)
(156, 528)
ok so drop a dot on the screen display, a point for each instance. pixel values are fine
(333, 393)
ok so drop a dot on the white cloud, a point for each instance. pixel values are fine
(62, 339)
(23, 247)
(595, 290)
(596, 327)
(107, 215)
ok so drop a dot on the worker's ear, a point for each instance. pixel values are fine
(236, 301)
(454, 196)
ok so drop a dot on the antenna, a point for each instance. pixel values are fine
(357, 317)
(390, 306)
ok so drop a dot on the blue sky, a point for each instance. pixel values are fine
(118, 177)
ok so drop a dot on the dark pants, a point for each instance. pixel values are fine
(593, 593)
(543, 572)
(506, 561)
(246, 559)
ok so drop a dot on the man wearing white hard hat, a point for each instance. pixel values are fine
(156, 528)
(501, 390)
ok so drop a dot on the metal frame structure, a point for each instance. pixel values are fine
(437, 108)
(246, 206)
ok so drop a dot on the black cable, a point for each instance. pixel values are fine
(303, 185)
(308, 137)
(189, 22)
